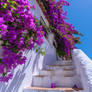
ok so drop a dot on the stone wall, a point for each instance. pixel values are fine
(83, 68)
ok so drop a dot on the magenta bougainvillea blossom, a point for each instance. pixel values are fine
(19, 29)
(63, 31)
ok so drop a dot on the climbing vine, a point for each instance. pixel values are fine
(19, 30)
(62, 30)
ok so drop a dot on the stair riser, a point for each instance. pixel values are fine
(46, 81)
(55, 73)
(30, 90)
(59, 67)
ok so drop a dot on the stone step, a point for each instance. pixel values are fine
(47, 73)
(47, 80)
(58, 67)
(39, 75)
(69, 75)
(69, 66)
(48, 69)
(63, 61)
(60, 89)
(57, 72)
(54, 65)
(43, 73)
(51, 68)
(69, 69)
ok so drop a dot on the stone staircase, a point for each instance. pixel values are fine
(63, 74)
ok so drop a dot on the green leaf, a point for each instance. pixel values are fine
(25, 6)
(13, 2)
(5, 5)
(37, 50)
(12, 11)
(60, 52)
(43, 53)
(8, 1)
(4, 74)
(13, 7)
(0, 61)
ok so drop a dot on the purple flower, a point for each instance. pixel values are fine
(19, 31)
(1, 20)
(33, 6)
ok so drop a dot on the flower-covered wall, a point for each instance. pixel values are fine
(22, 74)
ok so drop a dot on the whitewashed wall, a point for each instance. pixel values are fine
(38, 12)
(84, 69)
(22, 76)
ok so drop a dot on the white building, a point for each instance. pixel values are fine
(39, 72)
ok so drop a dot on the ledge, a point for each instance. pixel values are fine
(65, 89)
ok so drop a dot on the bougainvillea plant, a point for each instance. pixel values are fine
(19, 30)
(63, 31)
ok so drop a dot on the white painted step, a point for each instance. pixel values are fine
(61, 73)
(53, 71)
(45, 81)
(57, 66)
(61, 63)
(38, 89)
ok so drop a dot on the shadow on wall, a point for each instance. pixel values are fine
(23, 73)
(19, 76)
(15, 84)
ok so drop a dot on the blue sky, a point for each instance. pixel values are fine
(80, 15)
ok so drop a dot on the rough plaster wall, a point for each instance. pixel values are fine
(38, 12)
(22, 75)
(50, 52)
(84, 69)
